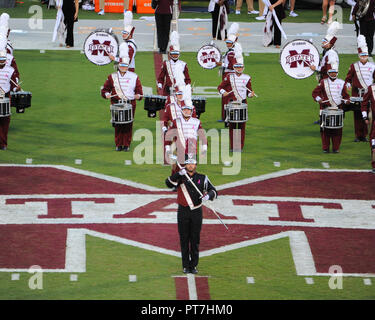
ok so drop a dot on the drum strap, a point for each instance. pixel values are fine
(234, 87)
(170, 73)
(116, 84)
(328, 92)
(2, 92)
(180, 132)
(373, 91)
(188, 198)
(359, 76)
(173, 108)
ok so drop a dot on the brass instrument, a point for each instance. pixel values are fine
(363, 6)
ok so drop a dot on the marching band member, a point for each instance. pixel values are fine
(236, 86)
(8, 83)
(331, 92)
(189, 212)
(185, 132)
(228, 59)
(4, 30)
(120, 86)
(329, 53)
(172, 68)
(127, 36)
(360, 76)
(368, 117)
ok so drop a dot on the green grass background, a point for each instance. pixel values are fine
(69, 119)
(109, 265)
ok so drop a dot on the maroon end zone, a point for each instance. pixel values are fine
(332, 209)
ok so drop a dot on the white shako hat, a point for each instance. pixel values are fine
(362, 45)
(128, 23)
(332, 60)
(331, 33)
(174, 47)
(124, 55)
(3, 48)
(233, 32)
(238, 55)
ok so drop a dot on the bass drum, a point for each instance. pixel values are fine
(99, 44)
(296, 58)
(208, 55)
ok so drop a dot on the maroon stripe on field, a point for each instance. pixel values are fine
(203, 291)
(182, 290)
(46, 180)
(312, 184)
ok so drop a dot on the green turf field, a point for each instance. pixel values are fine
(109, 265)
(69, 120)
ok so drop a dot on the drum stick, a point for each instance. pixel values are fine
(247, 90)
(173, 157)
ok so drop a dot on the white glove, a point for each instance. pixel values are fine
(167, 148)
(164, 129)
(206, 197)
(160, 85)
(317, 99)
(182, 172)
(348, 85)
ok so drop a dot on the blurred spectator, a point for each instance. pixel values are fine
(250, 7)
(219, 30)
(330, 11)
(291, 12)
(367, 25)
(101, 6)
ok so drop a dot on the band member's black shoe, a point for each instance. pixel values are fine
(185, 270)
(118, 148)
(336, 151)
(3, 148)
(326, 151)
(373, 171)
(194, 270)
(125, 148)
(357, 140)
(363, 139)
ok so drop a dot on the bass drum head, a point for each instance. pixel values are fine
(296, 58)
(98, 45)
(207, 56)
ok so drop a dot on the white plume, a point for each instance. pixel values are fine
(124, 50)
(361, 42)
(128, 18)
(333, 29)
(174, 39)
(332, 59)
(187, 93)
(233, 29)
(238, 52)
(4, 19)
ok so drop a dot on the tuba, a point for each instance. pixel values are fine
(363, 6)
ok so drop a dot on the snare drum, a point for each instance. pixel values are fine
(236, 112)
(20, 100)
(121, 113)
(154, 103)
(332, 118)
(199, 104)
(5, 107)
